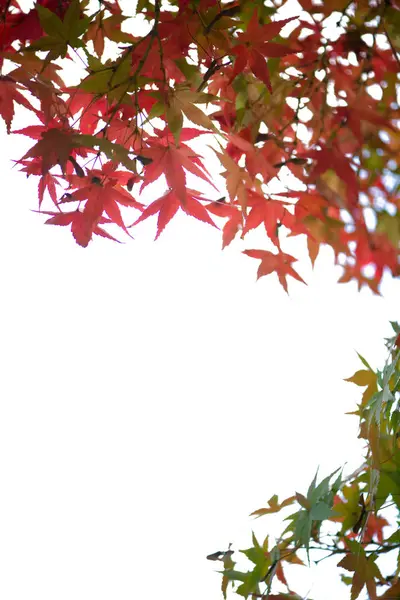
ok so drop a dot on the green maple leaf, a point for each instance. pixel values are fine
(60, 34)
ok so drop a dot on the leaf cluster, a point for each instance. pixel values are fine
(310, 99)
(342, 517)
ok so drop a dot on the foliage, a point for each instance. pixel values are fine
(298, 107)
(300, 111)
(346, 518)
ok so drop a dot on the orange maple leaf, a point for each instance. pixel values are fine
(365, 572)
(273, 506)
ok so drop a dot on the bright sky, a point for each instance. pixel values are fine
(153, 395)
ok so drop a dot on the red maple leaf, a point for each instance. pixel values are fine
(47, 182)
(172, 161)
(8, 95)
(270, 213)
(79, 226)
(253, 48)
(374, 528)
(332, 158)
(25, 26)
(344, 159)
(280, 263)
(354, 273)
(234, 222)
(371, 248)
(168, 205)
(92, 109)
(101, 197)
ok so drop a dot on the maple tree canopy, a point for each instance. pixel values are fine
(307, 100)
(298, 107)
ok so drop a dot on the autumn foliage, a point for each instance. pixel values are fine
(246, 115)
(347, 519)
(306, 102)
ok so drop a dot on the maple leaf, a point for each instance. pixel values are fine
(238, 181)
(365, 378)
(33, 131)
(348, 509)
(47, 182)
(174, 172)
(374, 528)
(271, 213)
(393, 593)
(62, 30)
(80, 228)
(101, 197)
(253, 48)
(239, 144)
(102, 28)
(21, 27)
(124, 132)
(274, 506)
(352, 145)
(332, 159)
(234, 222)
(8, 95)
(280, 574)
(54, 148)
(92, 108)
(172, 162)
(366, 571)
(183, 101)
(281, 264)
(168, 205)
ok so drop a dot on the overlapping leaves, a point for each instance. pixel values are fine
(277, 95)
(346, 518)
